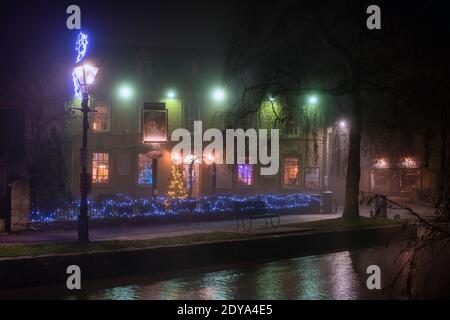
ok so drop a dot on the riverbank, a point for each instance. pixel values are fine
(105, 260)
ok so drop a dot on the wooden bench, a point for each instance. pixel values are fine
(251, 210)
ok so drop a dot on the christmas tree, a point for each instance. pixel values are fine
(177, 186)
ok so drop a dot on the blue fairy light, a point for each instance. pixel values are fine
(127, 207)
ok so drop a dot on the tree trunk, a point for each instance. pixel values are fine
(351, 207)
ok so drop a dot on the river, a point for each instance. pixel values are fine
(340, 275)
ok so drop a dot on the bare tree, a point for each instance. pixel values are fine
(293, 48)
(39, 95)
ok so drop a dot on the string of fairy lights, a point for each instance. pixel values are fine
(160, 206)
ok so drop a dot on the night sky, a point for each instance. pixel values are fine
(34, 30)
(34, 33)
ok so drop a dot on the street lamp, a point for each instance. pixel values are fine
(212, 160)
(85, 75)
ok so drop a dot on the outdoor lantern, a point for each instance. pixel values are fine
(85, 74)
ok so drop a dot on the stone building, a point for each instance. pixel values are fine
(136, 80)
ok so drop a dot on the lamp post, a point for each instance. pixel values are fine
(85, 75)
(191, 161)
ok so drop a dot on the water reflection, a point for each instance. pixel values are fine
(119, 293)
(317, 277)
(339, 275)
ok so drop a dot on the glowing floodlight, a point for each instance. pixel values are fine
(218, 95)
(313, 100)
(125, 92)
(171, 94)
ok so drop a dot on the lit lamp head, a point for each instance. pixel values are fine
(85, 75)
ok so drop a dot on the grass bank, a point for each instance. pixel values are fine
(38, 249)
(338, 224)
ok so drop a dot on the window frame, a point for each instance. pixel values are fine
(108, 162)
(298, 184)
(92, 120)
(145, 185)
(242, 185)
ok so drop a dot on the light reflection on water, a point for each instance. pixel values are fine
(330, 276)
(339, 275)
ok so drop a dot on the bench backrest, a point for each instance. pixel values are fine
(250, 207)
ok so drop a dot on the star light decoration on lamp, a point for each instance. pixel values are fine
(81, 49)
(128, 208)
(81, 46)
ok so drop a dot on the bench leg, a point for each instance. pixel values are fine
(278, 222)
(249, 226)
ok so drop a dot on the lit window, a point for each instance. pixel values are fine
(245, 174)
(100, 118)
(291, 172)
(145, 176)
(100, 168)
(381, 163)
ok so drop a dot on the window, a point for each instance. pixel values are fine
(145, 176)
(100, 168)
(292, 128)
(291, 172)
(191, 114)
(245, 174)
(100, 118)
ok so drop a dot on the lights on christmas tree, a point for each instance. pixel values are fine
(177, 186)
